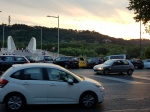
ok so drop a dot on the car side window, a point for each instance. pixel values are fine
(82, 59)
(33, 74)
(58, 75)
(118, 62)
(1, 59)
(125, 62)
(9, 58)
(16, 75)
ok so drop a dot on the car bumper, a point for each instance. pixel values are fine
(101, 96)
(98, 71)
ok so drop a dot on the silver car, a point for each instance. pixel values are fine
(115, 66)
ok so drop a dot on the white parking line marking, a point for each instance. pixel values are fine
(145, 78)
(120, 80)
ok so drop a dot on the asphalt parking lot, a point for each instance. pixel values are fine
(123, 93)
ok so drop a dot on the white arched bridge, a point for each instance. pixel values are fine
(11, 47)
(28, 51)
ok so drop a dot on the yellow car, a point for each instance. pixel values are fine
(82, 63)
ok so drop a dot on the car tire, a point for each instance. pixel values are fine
(106, 72)
(88, 100)
(14, 102)
(129, 72)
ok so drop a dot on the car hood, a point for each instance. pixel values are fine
(92, 81)
(101, 65)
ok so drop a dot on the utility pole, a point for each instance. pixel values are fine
(9, 19)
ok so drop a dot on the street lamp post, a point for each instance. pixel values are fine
(140, 30)
(3, 35)
(41, 38)
(58, 29)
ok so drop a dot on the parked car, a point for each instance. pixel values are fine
(43, 83)
(115, 66)
(138, 64)
(44, 59)
(31, 59)
(6, 61)
(146, 63)
(67, 62)
(119, 56)
(91, 62)
(82, 62)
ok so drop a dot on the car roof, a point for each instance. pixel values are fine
(117, 59)
(20, 66)
(13, 55)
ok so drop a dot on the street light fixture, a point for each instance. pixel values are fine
(58, 30)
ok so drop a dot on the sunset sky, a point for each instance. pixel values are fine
(108, 17)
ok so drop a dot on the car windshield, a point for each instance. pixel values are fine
(109, 62)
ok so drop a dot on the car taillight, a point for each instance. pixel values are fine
(3, 82)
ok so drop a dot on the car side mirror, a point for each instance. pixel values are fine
(70, 81)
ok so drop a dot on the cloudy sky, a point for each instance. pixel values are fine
(109, 17)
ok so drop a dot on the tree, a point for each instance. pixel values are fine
(141, 10)
(147, 52)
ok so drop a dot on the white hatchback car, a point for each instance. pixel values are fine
(42, 83)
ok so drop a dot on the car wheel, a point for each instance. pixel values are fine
(88, 100)
(106, 72)
(14, 102)
(129, 72)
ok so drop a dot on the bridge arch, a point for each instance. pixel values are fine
(32, 45)
(10, 44)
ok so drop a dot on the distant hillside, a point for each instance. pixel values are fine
(22, 34)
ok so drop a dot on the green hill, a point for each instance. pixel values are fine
(72, 42)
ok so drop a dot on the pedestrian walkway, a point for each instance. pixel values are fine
(24, 53)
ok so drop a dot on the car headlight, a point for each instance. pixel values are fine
(100, 68)
(99, 86)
